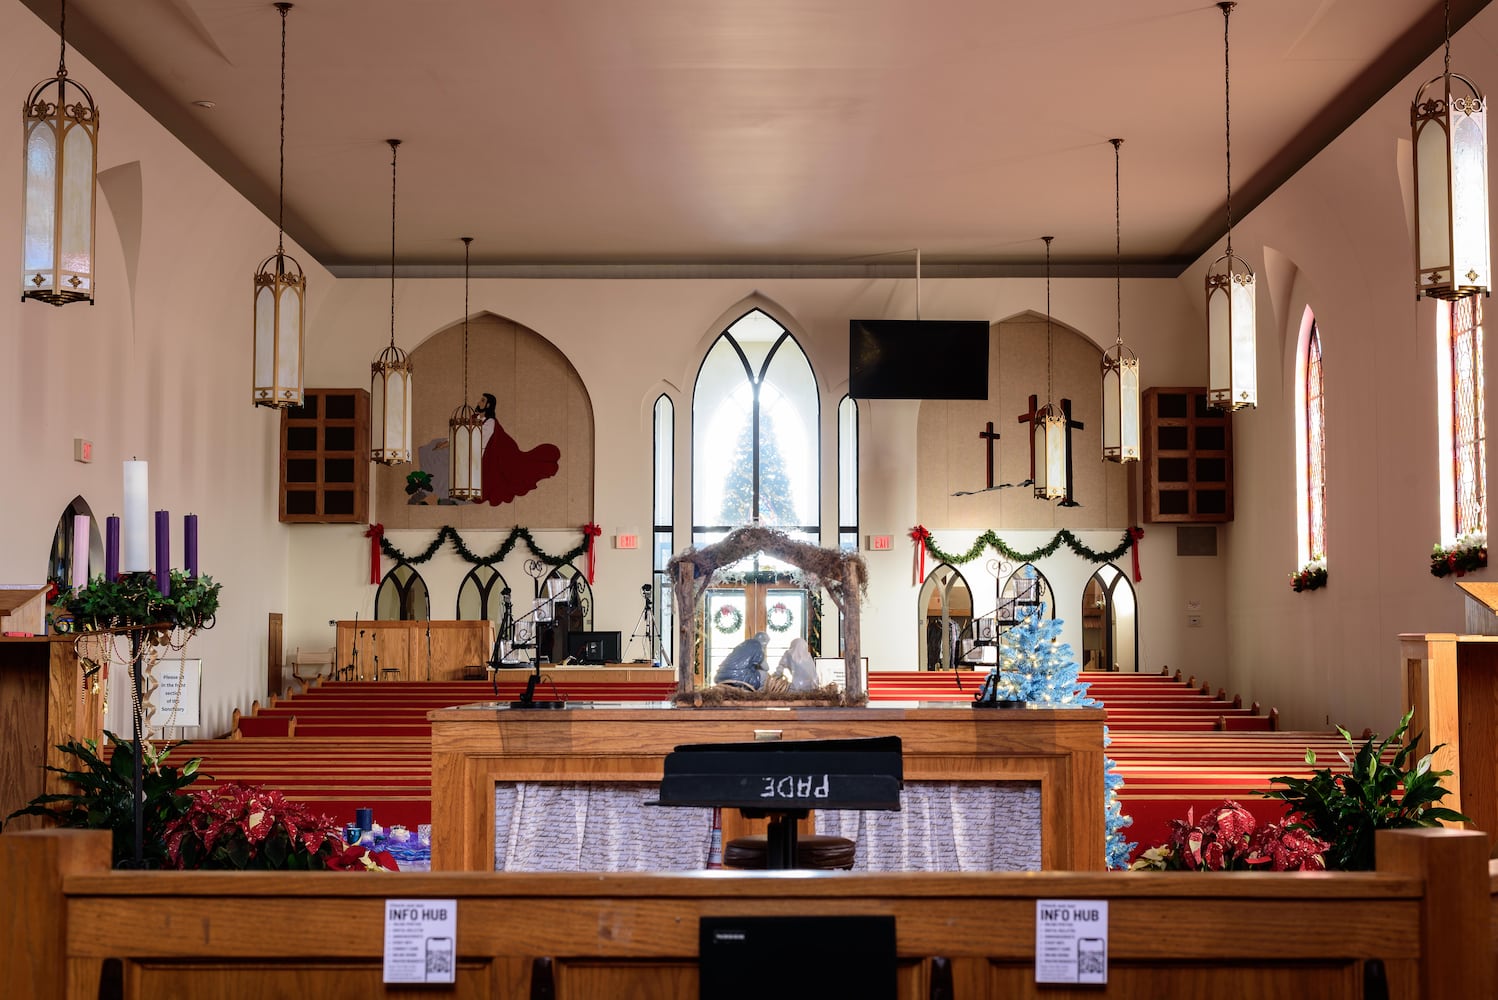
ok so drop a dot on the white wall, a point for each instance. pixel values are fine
(1337, 238)
(157, 369)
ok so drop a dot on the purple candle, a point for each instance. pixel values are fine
(190, 545)
(164, 553)
(111, 548)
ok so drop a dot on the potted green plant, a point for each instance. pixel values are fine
(1379, 791)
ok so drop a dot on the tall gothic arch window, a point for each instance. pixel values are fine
(1463, 432)
(755, 441)
(62, 559)
(1311, 477)
(663, 463)
(847, 474)
(1026, 587)
(403, 596)
(945, 606)
(481, 595)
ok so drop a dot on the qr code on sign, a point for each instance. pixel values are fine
(439, 959)
(1090, 963)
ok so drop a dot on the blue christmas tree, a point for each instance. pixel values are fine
(1035, 666)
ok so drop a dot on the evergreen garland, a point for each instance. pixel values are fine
(990, 540)
(517, 534)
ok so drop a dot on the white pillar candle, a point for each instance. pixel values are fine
(135, 548)
(80, 551)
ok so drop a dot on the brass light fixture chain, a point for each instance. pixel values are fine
(1448, 37)
(1050, 367)
(394, 146)
(466, 241)
(62, 41)
(1117, 249)
(281, 188)
(1227, 115)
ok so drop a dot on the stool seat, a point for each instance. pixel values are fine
(814, 850)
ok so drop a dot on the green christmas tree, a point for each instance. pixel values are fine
(775, 505)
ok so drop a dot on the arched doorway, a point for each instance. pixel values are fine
(946, 607)
(1110, 622)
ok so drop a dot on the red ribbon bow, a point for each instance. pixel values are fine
(375, 534)
(1135, 534)
(590, 532)
(919, 535)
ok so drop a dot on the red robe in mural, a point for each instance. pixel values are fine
(509, 472)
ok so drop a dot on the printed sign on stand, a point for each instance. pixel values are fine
(420, 940)
(1071, 940)
(174, 692)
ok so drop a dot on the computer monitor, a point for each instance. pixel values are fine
(797, 958)
(594, 647)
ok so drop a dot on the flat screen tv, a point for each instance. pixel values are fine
(593, 647)
(918, 359)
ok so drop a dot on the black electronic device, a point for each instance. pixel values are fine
(594, 647)
(918, 359)
(786, 957)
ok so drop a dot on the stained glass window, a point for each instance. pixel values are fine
(1315, 501)
(1468, 459)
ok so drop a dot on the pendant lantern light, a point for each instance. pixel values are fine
(1231, 353)
(59, 171)
(1049, 427)
(390, 374)
(280, 295)
(1120, 365)
(465, 428)
(1450, 126)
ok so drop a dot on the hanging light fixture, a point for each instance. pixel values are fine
(465, 428)
(1049, 426)
(280, 295)
(1120, 365)
(390, 374)
(1451, 185)
(61, 143)
(1231, 362)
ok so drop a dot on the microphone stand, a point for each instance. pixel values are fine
(429, 649)
(354, 652)
(528, 697)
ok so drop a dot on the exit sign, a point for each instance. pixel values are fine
(83, 450)
(881, 543)
(626, 541)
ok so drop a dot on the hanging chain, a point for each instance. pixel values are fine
(1117, 251)
(1448, 37)
(466, 241)
(62, 42)
(1050, 368)
(394, 145)
(281, 189)
(1227, 117)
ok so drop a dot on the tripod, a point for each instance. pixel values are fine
(645, 626)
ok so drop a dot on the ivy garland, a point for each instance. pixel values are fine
(990, 540)
(728, 619)
(517, 534)
(779, 617)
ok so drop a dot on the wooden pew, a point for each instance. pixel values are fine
(1425, 917)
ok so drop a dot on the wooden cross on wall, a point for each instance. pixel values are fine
(1029, 418)
(990, 437)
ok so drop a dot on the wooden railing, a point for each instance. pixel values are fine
(1422, 924)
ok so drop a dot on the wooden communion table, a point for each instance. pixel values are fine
(566, 788)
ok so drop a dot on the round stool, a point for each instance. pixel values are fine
(813, 850)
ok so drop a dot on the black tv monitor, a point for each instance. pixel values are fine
(593, 647)
(797, 958)
(918, 359)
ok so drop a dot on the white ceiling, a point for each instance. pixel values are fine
(633, 132)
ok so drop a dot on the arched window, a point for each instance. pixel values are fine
(579, 596)
(1462, 436)
(1110, 622)
(946, 607)
(481, 595)
(1310, 475)
(1026, 587)
(847, 474)
(663, 462)
(402, 596)
(755, 442)
(64, 558)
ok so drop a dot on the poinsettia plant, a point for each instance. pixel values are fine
(242, 827)
(1229, 838)
(1467, 553)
